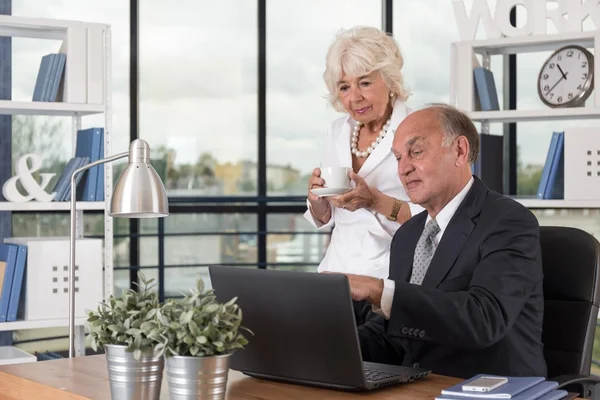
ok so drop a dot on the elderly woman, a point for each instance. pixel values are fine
(364, 80)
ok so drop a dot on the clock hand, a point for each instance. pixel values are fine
(557, 82)
(561, 71)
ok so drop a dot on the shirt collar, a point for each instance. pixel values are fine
(445, 215)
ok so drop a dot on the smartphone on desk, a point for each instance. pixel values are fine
(484, 384)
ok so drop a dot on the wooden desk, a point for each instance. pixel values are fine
(86, 378)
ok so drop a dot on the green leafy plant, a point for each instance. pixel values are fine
(129, 320)
(198, 325)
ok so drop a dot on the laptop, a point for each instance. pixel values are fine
(304, 330)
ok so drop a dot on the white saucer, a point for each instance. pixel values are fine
(324, 192)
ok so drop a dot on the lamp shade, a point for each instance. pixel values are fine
(139, 192)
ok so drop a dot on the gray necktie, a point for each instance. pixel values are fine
(424, 252)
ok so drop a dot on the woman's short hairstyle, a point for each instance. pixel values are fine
(359, 51)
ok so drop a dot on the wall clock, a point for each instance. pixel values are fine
(566, 78)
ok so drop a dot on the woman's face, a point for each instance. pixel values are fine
(365, 98)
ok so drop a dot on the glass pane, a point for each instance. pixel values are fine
(293, 243)
(210, 223)
(193, 250)
(298, 36)
(425, 38)
(198, 73)
(183, 279)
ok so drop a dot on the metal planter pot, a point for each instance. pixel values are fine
(132, 379)
(192, 378)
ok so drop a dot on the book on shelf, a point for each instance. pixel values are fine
(13, 258)
(62, 186)
(551, 184)
(49, 77)
(90, 184)
(485, 88)
(89, 144)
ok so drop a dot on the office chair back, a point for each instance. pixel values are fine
(571, 263)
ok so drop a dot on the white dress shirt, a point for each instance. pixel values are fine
(443, 219)
(360, 242)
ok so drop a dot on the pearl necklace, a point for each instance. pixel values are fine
(354, 146)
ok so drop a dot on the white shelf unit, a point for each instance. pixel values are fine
(51, 206)
(87, 90)
(39, 324)
(8, 107)
(462, 88)
(539, 203)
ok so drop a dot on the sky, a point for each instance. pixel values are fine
(198, 71)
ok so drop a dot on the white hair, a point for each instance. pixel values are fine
(359, 51)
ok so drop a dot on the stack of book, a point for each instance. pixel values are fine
(90, 184)
(49, 76)
(12, 270)
(516, 388)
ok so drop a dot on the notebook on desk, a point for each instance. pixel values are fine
(304, 330)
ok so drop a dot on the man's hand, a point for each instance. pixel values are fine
(366, 288)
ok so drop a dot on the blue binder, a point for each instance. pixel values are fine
(17, 283)
(8, 254)
(555, 187)
(486, 89)
(548, 165)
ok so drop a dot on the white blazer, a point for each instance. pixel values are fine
(360, 240)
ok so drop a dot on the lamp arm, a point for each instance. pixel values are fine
(72, 245)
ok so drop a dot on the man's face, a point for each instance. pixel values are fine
(425, 166)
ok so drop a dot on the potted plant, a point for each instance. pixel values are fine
(127, 329)
(199, 336)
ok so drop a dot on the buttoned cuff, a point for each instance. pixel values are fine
(387, 298)
(308, 215)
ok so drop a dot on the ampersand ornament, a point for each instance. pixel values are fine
(25, 176)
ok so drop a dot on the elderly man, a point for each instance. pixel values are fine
(464, 295)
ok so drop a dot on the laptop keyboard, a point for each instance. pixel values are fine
(375, 375)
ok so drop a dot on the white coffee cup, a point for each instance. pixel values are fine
(336, 177)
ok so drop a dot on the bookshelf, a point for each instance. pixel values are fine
(462, 90)
(49, 109)
(86, 90)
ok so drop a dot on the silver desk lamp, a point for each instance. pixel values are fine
(139, 193)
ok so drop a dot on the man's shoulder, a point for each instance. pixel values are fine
(499, 204)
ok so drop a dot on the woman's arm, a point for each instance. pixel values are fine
(384, 204)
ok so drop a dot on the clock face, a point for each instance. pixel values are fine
(566, 77)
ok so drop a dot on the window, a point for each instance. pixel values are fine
(198, 76)
(298, 114)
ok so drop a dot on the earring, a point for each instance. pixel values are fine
(391, 94)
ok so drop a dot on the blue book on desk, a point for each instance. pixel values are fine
(542, 391)
(510, 390)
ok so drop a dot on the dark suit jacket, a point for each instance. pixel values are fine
(480, 307)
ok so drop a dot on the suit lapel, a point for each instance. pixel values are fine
(343, 145)
(455, 236)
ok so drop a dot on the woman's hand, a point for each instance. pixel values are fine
(362, 196)
(320, 207)
(365, 197)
